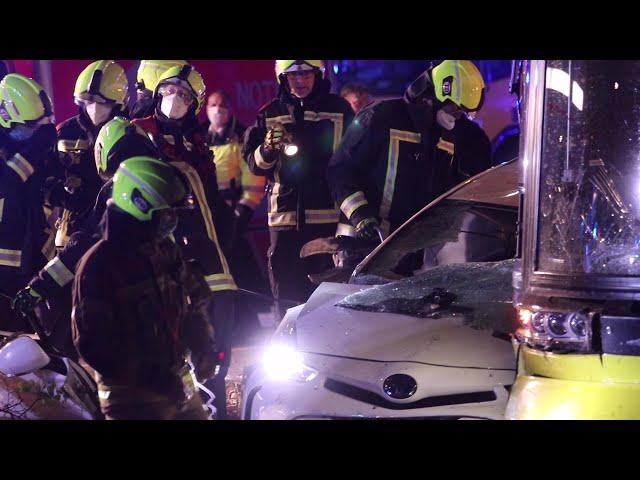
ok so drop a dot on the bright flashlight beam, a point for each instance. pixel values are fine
(290, 150)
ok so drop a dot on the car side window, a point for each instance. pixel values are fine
(453, 231)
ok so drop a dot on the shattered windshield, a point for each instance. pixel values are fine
(453, 231)
(480, 293)
(590, 182)
(473, 223)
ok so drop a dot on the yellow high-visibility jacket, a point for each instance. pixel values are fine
(236, 183)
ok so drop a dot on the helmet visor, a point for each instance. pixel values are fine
(185, 94)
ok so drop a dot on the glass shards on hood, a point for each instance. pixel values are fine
(481, 293)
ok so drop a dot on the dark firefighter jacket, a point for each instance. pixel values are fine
(298, 185)
(53, 282)
(75, 170)
(196, 231)
(235, 181)
(137, 309)
(24, 233)
(395, 159)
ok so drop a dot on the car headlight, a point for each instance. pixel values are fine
(557, 331)
(283, 362)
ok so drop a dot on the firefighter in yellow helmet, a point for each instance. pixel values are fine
(27, 141)
(398, 155)
(173, 127)
(101, 93)
(300, 208)
(117, 141)
(149, 72)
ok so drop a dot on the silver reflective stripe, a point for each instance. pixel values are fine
(448, 147)
(21, 166)
(10, 258)
(457, 80)
(321, 216)
(395, 137)
(261, 162)
(273, 197)
(336, 118)
(352, 203)
(344, 229)
(282, 119)
(286, 219)
(147, 188)
(220, 281)
(282, 219)
(169, 139)
(59, 272)
(72, 145)
(1, 208)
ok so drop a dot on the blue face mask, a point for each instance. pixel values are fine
(21, 133)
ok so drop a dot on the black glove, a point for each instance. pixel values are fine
(368, 228)
(55, 194)
(273, 142)
(39, 145)
(274, 137)
(243, 216)
(25, 300)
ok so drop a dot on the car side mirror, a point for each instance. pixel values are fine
(22, 355)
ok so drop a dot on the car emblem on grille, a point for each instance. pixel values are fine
(400, 386)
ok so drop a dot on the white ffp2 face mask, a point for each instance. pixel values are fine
(218, 115)
(98, 113)
(173, 107)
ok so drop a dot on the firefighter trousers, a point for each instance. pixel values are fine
(287, 271)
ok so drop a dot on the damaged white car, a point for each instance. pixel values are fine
(420, 331)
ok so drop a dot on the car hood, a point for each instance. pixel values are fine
(326, 329)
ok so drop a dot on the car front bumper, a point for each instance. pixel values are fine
(341, 397)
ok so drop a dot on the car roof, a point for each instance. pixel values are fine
(498, 185)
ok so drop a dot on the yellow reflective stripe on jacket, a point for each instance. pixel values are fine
(446, 146)
(21, 166)
(66, 146)
(10, 258)
(49, 248)
(336, 118)
(198, 190)
(282, 119)
(59, 272)
(395, 137)
(288, 219)
(352, 203)
(220, 281)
